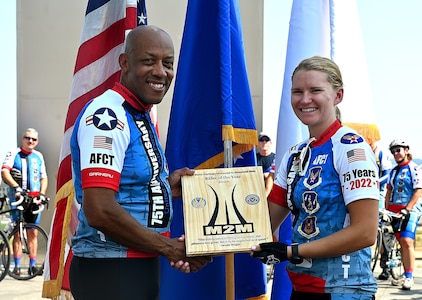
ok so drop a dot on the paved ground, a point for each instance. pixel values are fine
(386, 291)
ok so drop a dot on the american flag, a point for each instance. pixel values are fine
(103, 142)
(356, 155)
(96, 70)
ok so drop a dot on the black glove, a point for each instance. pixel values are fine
(40, 199)
(271, 253)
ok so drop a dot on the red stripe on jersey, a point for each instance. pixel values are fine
(100, 177)
(132, 253)
(307, 283)
(278, 196)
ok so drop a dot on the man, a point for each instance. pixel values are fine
(24, 169)
(265, 158)
(384, 164)
(122, 182)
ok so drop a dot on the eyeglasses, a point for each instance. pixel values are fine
(28, 138)
(394, 151)
(265, 140)
(305, 156)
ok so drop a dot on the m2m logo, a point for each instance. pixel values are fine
(228, 228)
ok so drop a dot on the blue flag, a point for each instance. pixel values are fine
(211, 104)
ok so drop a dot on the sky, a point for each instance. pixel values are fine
(392, 33)
(392, 40)
(393, 44)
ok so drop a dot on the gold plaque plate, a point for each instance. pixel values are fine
(225, 210)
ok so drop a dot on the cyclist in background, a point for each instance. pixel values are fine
(383, 160)
(404, 189)
(265, 158)
(24, 168)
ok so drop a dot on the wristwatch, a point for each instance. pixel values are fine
(296, 258)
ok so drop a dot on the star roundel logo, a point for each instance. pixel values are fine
(105, 119)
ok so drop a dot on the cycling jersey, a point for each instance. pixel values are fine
(317, 180)
(31, 169)
(114, 145)
(403, 180)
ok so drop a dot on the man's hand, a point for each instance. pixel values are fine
(270, 253)
(404, 212)
(18, 192)
(175, 183)
(39, 199)
(186, 264)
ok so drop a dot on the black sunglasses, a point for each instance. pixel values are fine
(28, 138)
(264, 139)
(394, 151)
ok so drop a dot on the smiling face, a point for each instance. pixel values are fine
(314, 100)
(400, 154)
(147, 64)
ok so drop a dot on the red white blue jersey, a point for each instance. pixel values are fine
(32, 168)
(114, 145)
(317, 180)
(403, 180)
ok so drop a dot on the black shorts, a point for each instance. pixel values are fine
(115, 278)
(317, 296)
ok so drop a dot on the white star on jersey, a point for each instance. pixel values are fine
(105, 118)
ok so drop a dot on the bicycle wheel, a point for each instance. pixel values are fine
(396, 265)
(375, 249)
(25, 271)
(4, 255)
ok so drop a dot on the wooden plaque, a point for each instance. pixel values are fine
(225, 210)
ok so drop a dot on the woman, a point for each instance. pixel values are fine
(330, 184)
(404, 189)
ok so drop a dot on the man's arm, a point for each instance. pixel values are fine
(105, 214)
(415, 198)
(7, 178)
(269, 182)
(44, 185)
(387, 198)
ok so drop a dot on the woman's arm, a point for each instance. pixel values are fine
(361, 233)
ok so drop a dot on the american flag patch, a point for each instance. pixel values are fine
(103, 142)
(357, 154)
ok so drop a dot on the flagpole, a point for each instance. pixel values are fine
(227, 97)
(230, 292)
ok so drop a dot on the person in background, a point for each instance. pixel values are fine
(383, 159)
(122, 182)
(319, 180)
(264, 158)
(385, 165)
(404, 189)
(24, 169)
(338, 114)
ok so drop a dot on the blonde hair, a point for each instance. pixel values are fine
(323, 64)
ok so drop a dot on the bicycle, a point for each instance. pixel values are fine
(20, 230)
(4, 255)
(389, 225)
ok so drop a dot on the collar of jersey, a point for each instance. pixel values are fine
(130, 97)
(327, 134)
(405, 164)
(25, 152)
